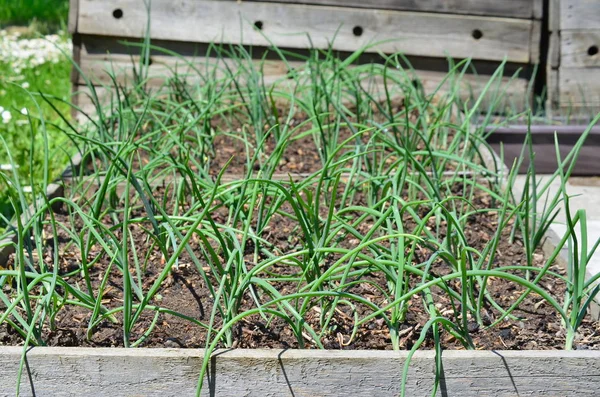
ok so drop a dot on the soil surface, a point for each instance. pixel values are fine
(186, 297)
(187, 292)
(300, 145)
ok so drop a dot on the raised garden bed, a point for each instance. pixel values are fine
(397, 231)
(512, 141)
(301, 373)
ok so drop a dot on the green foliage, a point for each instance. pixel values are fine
(49, 15)
(21, 85)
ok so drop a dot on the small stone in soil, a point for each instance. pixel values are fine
(506, 333)
(173, 343)
(473, 327)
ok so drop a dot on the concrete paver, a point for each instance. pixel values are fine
(584, 193)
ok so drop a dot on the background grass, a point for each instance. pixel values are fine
(25, 140)
(49, 15)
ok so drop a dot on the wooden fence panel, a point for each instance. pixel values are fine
(525, 9)
(303, 26)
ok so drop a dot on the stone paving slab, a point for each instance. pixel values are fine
(584, 193)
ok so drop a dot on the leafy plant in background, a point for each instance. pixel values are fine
(28, 67)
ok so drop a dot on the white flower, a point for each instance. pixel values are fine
(24, 112)
(23, 54)
(6, 116)
(25, 85)
(1, 109)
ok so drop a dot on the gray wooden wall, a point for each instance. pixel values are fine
(427, 31)
(574, 57)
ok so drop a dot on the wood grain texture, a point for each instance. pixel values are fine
(554, 15)
(98, 67)
(537, 7)
(525, 9)
(580, 48)
(193, 69)
(554, 50)
(73, 15)
(579, 87)
(87, 104)
(157, 372)
(535, 40)
(552, 91)
(100, 56)
(579, 14)
(287, 25)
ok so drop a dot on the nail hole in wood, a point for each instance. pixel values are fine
(477, 34)
(593, 50)
(118, 13)
(258, 25)
(357, 31)
(149, 62)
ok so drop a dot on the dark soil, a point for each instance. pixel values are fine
(186, 292)
(304, 150)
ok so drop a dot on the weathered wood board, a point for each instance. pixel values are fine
(158, 372)
(306, 26)
(511, 142)
(579, 14)
(102, 58)
(581, 48)
(526, 9)
(484, 30)
(574, 57)
(579, 87)
(514, 91)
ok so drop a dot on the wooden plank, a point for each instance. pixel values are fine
(554, 15)
(193, 69)
(545, 151)
(579, 87)
(577, 114)
(470, 86)
(537, 6)
(552, 91)
(581, 48)
(554, 49)
(287, 25)
(82, 98)
(301, 373)
(97, 63)
(525, 9)
(76, 55)
(536, 38)
(553, 59)
(73, 15)
(579, 14)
